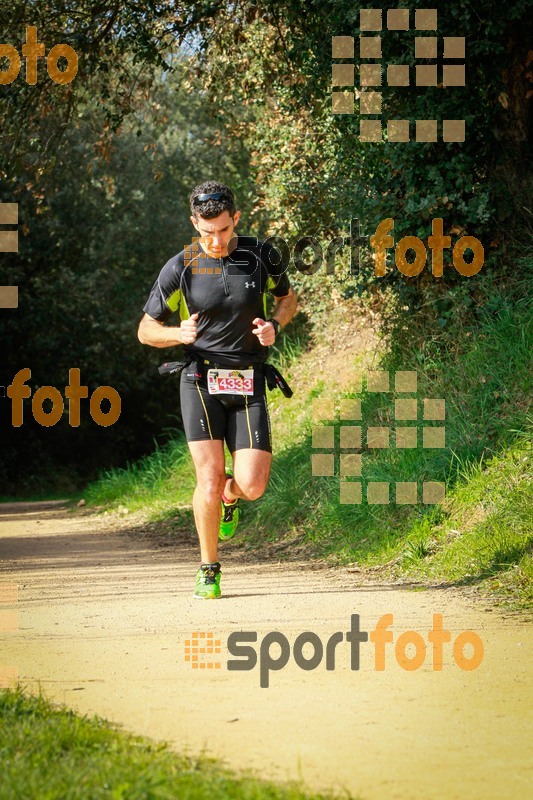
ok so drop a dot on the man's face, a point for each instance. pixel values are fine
(216, 233)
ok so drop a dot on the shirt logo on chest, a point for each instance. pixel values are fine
(249, 285)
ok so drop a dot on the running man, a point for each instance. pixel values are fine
(219, 291)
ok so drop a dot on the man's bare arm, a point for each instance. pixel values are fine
(157, 334)
(285, 308)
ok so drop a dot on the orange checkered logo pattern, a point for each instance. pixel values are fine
(192, 256)
(200, 649)
(9, 243)
(408, 410)
(372, 74)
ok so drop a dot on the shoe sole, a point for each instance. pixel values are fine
(202, 597)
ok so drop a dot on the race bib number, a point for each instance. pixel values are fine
(230, 381)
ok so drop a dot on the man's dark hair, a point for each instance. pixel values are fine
(208, 209)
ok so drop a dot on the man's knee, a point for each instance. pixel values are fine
(210, 482)
(252, 488)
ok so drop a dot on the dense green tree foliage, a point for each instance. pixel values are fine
(94, 235)
(274, 59)
(170, 93)
(120, 44)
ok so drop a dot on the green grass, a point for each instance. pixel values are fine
(483, 369)
(486, 531)
(50, 753)
(161, 481)
(486, 385)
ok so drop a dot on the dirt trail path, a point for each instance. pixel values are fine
(103, 616)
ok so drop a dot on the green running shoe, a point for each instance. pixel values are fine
(229, 517)
(207, 586)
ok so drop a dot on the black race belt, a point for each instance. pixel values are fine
(198, 367)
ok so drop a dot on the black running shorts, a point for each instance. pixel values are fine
(242, 420)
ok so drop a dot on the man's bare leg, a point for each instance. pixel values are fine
(208, 458)
(251, 471)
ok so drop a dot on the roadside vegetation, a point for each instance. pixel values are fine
(50, 752)
(479, 362)
(101, 172)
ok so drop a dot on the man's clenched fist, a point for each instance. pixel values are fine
(189, 329)
(264, 331)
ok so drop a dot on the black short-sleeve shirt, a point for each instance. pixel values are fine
(227, 293)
